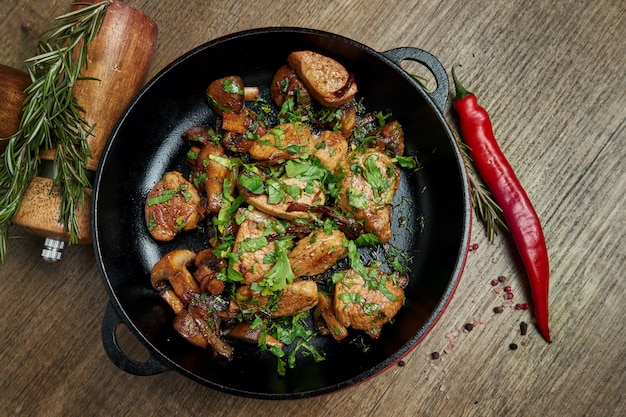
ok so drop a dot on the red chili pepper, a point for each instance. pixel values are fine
(518, 211)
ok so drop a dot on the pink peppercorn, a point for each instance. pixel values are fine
(507, 288)
(508, 295)
(494, 282)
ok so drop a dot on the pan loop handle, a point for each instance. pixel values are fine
(440, 95)
(151, 366)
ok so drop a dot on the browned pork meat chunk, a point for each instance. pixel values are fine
(299, 296)
(283, 142)
(370, 180)
(367, 305)
(251, 256)
(316, 253)
(173, 205)
(327, 80)
(330, 148)
(325, 318)
(314, 197)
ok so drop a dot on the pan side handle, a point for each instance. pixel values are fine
(151, 366)
(440, 95)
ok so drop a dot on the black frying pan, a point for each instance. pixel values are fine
(147, 142)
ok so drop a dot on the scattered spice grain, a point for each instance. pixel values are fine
(523, 328)
(468, 326)
(498, 309)
(513, 346)
(434, 355)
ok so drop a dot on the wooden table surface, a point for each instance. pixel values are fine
(553, 76)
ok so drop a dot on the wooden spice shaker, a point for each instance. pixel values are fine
(13, 82)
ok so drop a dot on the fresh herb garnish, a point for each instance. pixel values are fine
(293, 332)
(168, 194)
(252, 182)
(230, 87)
(277, 278)
(356, 199)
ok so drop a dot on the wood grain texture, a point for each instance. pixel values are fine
(552, 75)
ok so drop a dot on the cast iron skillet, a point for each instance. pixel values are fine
(431, 221)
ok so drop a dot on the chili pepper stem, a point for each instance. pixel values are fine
(461, 91)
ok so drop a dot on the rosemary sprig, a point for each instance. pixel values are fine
(53, 118)
(487, 210)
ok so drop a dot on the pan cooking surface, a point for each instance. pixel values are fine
(431, 214)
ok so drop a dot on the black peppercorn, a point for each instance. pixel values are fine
(469, 327)
(513, 346)
(434, 355)
(523, 328)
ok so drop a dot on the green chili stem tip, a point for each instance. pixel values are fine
(461, 92)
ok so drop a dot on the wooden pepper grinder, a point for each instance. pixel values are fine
(13, 82)
(119, 58)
